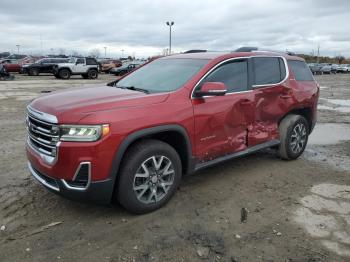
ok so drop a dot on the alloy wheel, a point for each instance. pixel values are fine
(298, 138)
(153, 179)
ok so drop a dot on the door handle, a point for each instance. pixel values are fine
(245, 102)
(285, 96)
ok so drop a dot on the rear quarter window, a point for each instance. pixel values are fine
(91, 61)
(300, 70)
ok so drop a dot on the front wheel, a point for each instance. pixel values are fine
(64, 73)
(294, 133)
(149, 176)
(34, 72)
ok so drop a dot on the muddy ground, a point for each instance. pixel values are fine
(297, 211)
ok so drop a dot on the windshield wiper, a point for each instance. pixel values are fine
(134, 88)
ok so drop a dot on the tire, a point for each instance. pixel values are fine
(92, 74)
(294, 133)
(64, 73)
(85, 76)
(133, 179)
(33, 72)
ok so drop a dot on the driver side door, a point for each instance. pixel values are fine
(80, 66)
(221, 122)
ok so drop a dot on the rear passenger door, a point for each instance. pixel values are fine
(271, 97)
(46, 66)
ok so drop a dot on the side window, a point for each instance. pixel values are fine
(233, 74)
(80, 61)
(268, 70)
(301, 71)
(91, 61)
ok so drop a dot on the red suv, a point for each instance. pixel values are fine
(133, 140)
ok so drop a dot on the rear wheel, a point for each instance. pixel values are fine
(294, 133)
(92, 73)
(33, 72)
(64, 73)
(149, 176)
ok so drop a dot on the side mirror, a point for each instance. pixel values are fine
(212, 89)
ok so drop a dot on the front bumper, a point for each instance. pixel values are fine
(99, 192)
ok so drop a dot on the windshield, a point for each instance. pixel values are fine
(163, 75)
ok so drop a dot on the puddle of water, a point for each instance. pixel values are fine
(316, 225)
(341, 109)
(327, 134)
(332, 191)
(343, 251)
(318, 203)
(325, 216)
(339, 102)
(340, 105)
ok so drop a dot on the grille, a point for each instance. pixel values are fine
(42, 135)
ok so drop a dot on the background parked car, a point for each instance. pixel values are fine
(44, 65)
(315, 68)
(124, 69)
(344, 68)
(11, 65)
(334, 68)
(326, 69)
(107, 65)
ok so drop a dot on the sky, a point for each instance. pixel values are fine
(138, 27)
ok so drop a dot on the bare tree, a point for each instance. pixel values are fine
(61, 51)
(75, 53)
(340, 59)
(95, 53)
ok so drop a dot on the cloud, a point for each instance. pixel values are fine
(139, 26)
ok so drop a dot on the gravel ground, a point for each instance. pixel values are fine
(297, 211)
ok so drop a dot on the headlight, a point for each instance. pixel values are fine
(83, 133)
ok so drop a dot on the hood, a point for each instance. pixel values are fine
(84, 101)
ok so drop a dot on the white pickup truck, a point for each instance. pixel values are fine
(86, 67)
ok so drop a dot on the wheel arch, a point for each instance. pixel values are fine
(175, 135)
(306, 112)
(61, 68)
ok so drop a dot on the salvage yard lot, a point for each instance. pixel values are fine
(298, 210)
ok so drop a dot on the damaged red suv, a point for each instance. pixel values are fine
(132, 140)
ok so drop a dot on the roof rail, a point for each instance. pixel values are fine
(246, 49)
(290, 53)
(195, 51)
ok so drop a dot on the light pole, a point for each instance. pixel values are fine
(170, 24)
(105, 50)
(122, 53)
(18, 49)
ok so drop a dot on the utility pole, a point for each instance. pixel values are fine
(170, 24)
(105, 50)
(318, 53)
(41, 44)
(18, 49)
(122, 53)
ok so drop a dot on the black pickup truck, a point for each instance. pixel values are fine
(44, 65)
